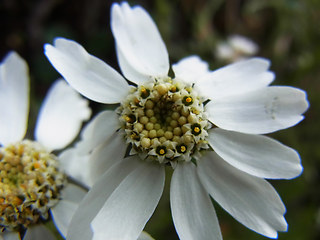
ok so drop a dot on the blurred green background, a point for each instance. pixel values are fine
(286, 31)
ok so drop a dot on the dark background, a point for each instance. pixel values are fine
(287, 32)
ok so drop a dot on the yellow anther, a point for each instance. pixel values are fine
(127, 119)
(136, 101)
(183, 149)
(173, 88)
(196, 129)
(188, 99)
(143, 90)
(36, 165)
(161, 151)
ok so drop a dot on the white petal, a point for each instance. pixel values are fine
(38, 232)
(250, 200)
(190, 69)
(264, 111)
(87, 74)
(145, 236)
(108, 153)
(62, 213)
(73, 193)
(257, 155)
(243, 45)
(237, 78)
(80, 228)
(192, 211)
(140, 48)
(98, 130)
(14, 96)
(76, 165)
(61, 116)
(7, 235)
(130, 206)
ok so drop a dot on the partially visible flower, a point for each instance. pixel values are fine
(31, 184)
(206, 125)
(236, 48)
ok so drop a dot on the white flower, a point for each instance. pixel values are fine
(218, 117)
(236, 48)
(31, 183)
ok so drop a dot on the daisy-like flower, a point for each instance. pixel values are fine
(236, 48)
(207, 125)
(31, 184)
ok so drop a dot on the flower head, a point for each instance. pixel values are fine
(205, 124)
(236, 48)
(31, 183)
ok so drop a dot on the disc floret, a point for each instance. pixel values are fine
(30, 183)
(164, 120)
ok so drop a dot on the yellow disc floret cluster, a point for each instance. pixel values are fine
(165, 120)
(30, 183)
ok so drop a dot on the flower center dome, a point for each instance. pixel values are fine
(30, 183)
(165, 120)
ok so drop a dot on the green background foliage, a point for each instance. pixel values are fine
(287, 32)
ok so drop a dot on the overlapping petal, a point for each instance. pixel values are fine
(250, 200)
(80, 228)
(7, 235)
(257, 155)
(145, 236)
(63, 211)
(61, 116)
(130, 206)
(192, 211)
(237, 78)
(87, 74)
(38, 231)
(76, 165)
(263, 111)
(141, 51)
(190, 69)
(62, 214)
(98, 130)
(14, 96)
(108, 153)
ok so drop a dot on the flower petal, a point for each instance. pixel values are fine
(62, 213)
(98, 130)
(79, 228)
(250, 200)
(14, 96)
(38, 231)
(141, 50)
(264, 111)
(107, 154)
(130, 206)
(87, 74)
(237, 78)
(145, 236)
(73, 193)
(61, 116)
(192, 211)
(76, 165)
(257, 155)
(7, 235)
(190, 69)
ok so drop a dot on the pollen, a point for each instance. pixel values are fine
(196, 129)
(171, 123)
(30, 183)
(145, 92)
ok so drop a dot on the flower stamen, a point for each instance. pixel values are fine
(30, 183)
(169, 123)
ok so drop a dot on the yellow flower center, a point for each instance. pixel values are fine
(30, 183)
(164, 113)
